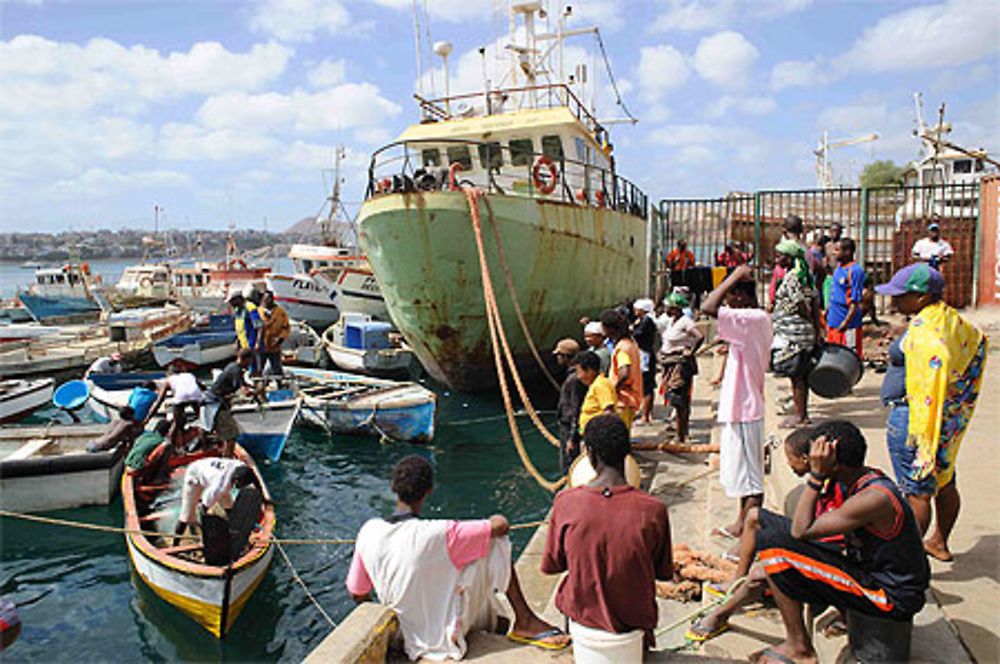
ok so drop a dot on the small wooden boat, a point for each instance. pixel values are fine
(199, 346)
(20, 398)
(211, 595)
(264, 427)
(359, 344)
(352, 404)
(49, 468)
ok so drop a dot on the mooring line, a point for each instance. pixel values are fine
(154, 533)
(305, 588)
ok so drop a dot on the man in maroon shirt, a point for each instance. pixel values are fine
(612, 539)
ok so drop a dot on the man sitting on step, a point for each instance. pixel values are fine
(884, 570)
(440, 576)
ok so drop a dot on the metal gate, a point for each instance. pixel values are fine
(883, 221)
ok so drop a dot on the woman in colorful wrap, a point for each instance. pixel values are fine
(932, 383)
(680, 340)
(796, 326)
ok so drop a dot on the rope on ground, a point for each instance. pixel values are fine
(153, 533)
(699, 612)
(493, 319)
(305, 588)
(513, 296)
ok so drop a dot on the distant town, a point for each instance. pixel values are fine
(112, 244)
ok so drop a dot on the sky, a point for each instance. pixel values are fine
(223, 112)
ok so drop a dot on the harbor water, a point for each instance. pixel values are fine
(79, 601)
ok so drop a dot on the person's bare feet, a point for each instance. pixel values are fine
(936, 548)
(774, 655)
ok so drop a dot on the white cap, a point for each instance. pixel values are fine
(593, 327)
(248, 291)
(644, 304)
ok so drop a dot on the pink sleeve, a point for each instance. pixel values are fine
(730, 325)
(467, 541)
(358, 582)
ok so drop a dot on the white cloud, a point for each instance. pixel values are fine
(187, 142)
(660, 69)
(748, 105)
(101, 183)
(327, 73)
(298, 20)
(39, 75)
(942, 35)
(801, 73)
(606, 14)
(725, 59)
(854, 118)
(695, 15)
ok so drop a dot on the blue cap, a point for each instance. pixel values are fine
(915, 278)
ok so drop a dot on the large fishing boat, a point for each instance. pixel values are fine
(573, 232)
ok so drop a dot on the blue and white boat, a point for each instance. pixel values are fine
(198, 346)
(61, 293)
(264, 428)
(350, 404)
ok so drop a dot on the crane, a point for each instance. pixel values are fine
(824, 173)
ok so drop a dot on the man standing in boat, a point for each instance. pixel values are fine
(216, 413)
(209, 482)
(440, 576)
(276, 329)
(248, 325)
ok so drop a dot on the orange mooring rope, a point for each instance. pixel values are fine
(472, 195)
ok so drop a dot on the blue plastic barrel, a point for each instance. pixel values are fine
(71, 395)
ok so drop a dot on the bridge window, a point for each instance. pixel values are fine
(491, 156)
(307, 265)
(963, 166)
(521, 152)
(552, 147)
(431, 157)
(581, 149)
(460, 154)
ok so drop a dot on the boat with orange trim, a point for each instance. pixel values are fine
(211, 595)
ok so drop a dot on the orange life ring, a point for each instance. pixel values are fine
(454, 168)
(541, 185)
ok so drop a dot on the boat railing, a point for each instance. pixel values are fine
(554, 95)
(400, 168)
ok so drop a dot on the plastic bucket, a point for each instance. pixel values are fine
(595, 646)
(71, 395)
(874, 639)
(837, 369)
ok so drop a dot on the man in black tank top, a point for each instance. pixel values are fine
(884, 570)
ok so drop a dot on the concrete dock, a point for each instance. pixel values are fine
(961, 621)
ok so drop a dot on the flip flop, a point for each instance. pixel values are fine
(774, 655)
(695, 636)
(537, 639)
(720, 531)
(714, 589)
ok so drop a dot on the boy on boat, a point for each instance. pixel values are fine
(216, 413)
(747, 329)
(276, 329)
(885, 572)
(440, 576)
(150, 452)
(121, 431)
(613, 541)
(248, 325)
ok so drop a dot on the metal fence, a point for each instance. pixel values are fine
(884, 222)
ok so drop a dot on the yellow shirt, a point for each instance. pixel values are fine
(600, 395)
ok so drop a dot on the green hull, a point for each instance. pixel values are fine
(566, 261)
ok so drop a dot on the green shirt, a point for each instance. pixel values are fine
(141, 449)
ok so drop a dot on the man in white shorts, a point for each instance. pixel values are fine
(210, 482)
(441, 576)
(747, 329)
(183, 387)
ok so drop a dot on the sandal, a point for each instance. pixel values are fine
(538, 640)
(698, 634)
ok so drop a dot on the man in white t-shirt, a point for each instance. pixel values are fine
(110, 364)
(932, 249)
(440, 576)
(210, 482)
(185, 390)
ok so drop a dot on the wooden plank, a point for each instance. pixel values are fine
(30, 448)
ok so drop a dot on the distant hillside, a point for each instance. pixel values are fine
(309, 229)
(306, 226)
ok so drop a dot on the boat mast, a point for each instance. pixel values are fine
(333, 239)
